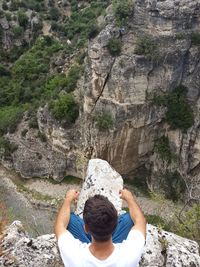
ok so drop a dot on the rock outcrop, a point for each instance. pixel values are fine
(163, 249)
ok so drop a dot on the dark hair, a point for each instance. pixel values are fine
(100, 216)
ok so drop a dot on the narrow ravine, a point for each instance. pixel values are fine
(36, 221)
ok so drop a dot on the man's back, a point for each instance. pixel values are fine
(77, 254)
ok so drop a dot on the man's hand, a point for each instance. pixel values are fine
(126, 195)
(64, 213)
(72, 195)
(134, 210)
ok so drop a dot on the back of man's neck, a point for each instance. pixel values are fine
(101, 250)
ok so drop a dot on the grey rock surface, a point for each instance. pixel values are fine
(101, 179)
(162, 249)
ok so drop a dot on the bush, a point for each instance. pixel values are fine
(146, 46)
(173, 185)
(157, 221)
(72, 77)
(4, 71)
(56, 83)
(114, 46)
(17, 31)
(6, 148)
(33, 123)
(29, 72)
(4, 5)
(104, 121)
(122, 10)
(42, 137)
(54, 13)
(195, 38)
(94, 30)
(9, 119)
(189, 223)
(163, 149)
(65, 109)
(179, 114)
(22, 19)
(82, 22)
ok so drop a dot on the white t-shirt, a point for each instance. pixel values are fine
(74, 253)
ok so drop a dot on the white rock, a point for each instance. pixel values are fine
(102, 179)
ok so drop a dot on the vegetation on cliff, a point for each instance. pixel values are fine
(30, 77)
(179, 113)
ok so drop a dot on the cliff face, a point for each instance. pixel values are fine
(162, 249)
(124, 87)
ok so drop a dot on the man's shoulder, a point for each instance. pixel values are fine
(66, 239)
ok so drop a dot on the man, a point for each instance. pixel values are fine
(101, 238)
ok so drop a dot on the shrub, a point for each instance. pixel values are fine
(157, 221)
(163, 149)
(22, 19)
(189, 223)
(114, 46)
(181, 36)
(104, 121)
(195, 38)
(42, 137)
(146, 46)
(122, 10)
(54, 13)
(17, 31)
(179, 114)
(4, 71)
(30, 70)
(59, 82)
(81, 23)
(9, 119)
(65, 109)
(6, 148)
(173, 185)
(4, 5)
(72, 77)
(33, 122)
(56, 83)
(94, 30)
(13, 5)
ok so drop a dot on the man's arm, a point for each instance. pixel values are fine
(135, 212)
(63, 216)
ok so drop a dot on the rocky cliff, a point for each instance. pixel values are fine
(162, 249)
(119, 120)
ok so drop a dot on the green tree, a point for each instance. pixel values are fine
(122, 10)
(9, 118)
(162, 147)
(23, 19)
(114, 46)
(65, 109)
(179, 113)
(146, 46)
(104, 121)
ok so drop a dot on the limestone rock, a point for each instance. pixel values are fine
(20, 250)
(102, 179)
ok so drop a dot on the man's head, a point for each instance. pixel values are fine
(100, 217)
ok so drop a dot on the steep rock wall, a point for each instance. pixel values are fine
(123, 87)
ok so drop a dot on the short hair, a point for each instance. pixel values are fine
(100, 216)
